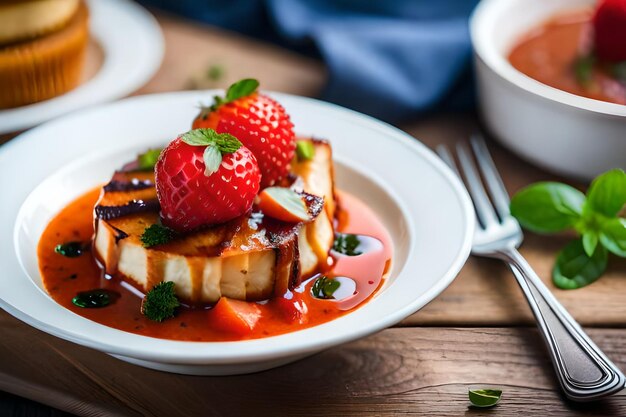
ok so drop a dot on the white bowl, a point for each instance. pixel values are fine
(421, 202)
(562, 132)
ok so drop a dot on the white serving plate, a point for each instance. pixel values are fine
(562, 132)
(132, 45)
(424, 206)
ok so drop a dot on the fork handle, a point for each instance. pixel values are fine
(584, 372)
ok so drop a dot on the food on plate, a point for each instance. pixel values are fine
(582, 52)
(191, 243)
(42, 48)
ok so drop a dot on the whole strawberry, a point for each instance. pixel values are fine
(259, 122)
(205, 178)
(609, 25)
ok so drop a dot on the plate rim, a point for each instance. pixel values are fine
(226, 357)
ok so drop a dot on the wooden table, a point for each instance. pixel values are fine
(478, 333)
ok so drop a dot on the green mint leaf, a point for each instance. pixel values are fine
(224, 142)
(212, 160)
(324, 288)
(156, 234)
(619, 71)
(70, 249)
(305, 150)
(93, 299)
(574, 269)
(347, 244)
(160, 302)
(147, 160)
(583, 68)
(199, 137)
(607, 193)
(590, 241)
(613, 236)
(241, 88)
(547, 207)
(485, 397)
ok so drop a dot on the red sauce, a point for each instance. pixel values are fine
(64, 277)
(549, 54)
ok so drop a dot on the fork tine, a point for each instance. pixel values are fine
(498, 193)
(445, 155)
(484, 210)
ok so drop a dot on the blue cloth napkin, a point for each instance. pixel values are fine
(392, 59)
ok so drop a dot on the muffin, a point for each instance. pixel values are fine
(42, 49)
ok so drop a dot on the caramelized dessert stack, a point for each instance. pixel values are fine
(252, 257)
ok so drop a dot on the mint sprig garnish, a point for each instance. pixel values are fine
(156, 234)
(305, 150)
(217, 145)
(551, 207)
(147, 160)
(160, 302)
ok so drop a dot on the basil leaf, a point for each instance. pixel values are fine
(607, 193)
(212, 160)
(547, 207)
(324, 288)
(70, 249)
(93, 299)
(574, 269)
(485, 397)
(347, 244)
(241, 88)
(590, 241)
(613, 236)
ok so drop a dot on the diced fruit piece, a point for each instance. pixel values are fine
(609, 25)
(259, 122)
(205, 178)
(294, 309)
(234, 316)
(284, 204)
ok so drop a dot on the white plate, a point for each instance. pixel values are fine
(132, 44)
(422, 203)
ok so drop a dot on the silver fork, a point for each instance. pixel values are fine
(584, 372)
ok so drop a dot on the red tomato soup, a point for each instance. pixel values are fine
(551, 52)
(64, 277)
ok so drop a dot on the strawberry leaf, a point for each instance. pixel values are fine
(241, 88)
(212, 160)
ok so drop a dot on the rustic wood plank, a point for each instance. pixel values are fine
(404, 370)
